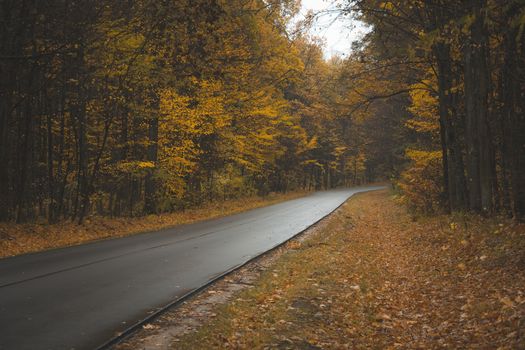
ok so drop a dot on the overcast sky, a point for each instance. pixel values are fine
(337, 31)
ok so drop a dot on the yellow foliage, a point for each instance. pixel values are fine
(183, 122)
(421, 181)
(424, 108)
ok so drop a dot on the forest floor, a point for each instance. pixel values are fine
(370, 276)
(18, 239)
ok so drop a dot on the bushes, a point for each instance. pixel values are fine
(420, 183)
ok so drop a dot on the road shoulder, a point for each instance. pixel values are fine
(368, 276)
(17, 239)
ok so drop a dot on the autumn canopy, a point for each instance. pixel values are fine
(128, 108)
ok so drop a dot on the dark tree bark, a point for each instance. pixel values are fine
(479, 143)
(150, 186)
(514, 121)
(452, 156)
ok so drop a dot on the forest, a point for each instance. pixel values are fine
(203, 174)
(460, 66)
(127, 108)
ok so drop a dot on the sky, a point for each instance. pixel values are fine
(337, 31)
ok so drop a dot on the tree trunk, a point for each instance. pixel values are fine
(477, 80)
(513, 122)
(452, 155)
(150, 186)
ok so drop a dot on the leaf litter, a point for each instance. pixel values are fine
(371, 277)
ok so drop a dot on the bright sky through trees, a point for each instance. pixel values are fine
(337, 31)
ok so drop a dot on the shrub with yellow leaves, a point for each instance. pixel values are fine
(421, 181)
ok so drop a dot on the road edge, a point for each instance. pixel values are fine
(130, 330)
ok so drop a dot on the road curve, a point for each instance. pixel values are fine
(79, 297)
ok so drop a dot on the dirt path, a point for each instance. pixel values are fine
(373, 278)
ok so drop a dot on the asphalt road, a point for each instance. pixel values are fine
(79, 297)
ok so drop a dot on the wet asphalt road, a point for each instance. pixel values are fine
(80, 297)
